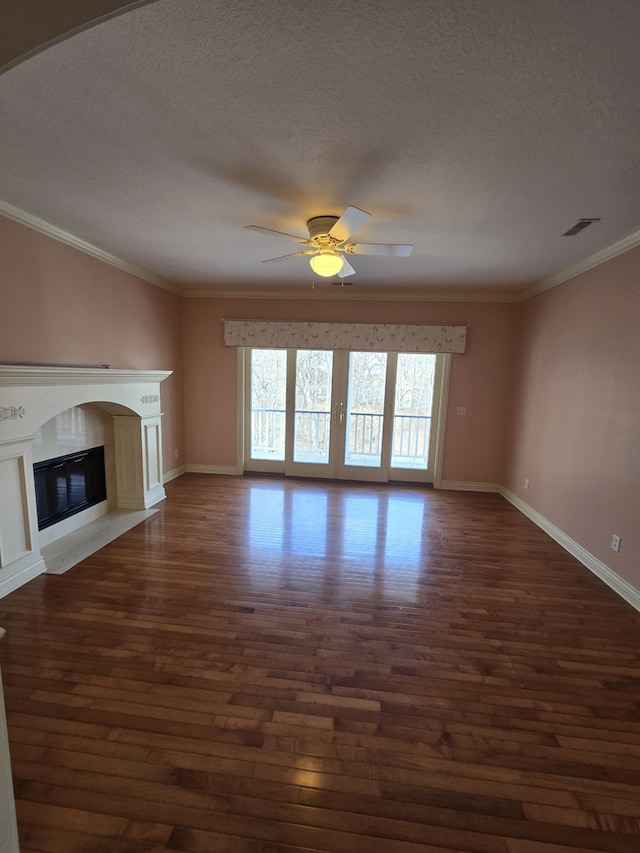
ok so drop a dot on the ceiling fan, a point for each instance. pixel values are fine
(328, 243)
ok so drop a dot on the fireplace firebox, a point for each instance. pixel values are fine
(68, 484)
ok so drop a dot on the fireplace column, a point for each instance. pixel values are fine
(20, 558)
(138, 443)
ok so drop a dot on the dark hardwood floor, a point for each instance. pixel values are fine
(270, 665)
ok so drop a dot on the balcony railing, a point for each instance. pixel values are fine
(410, 438)
(312, 429)
(312, 434)
(268, 433)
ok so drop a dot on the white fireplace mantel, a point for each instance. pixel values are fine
(30, 396)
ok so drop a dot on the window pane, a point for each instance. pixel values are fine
(365, 408)
(412, 410)
(312, 431)
(268, 403)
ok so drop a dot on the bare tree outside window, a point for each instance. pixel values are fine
(312, 428)
(415, 378)
(268, 403)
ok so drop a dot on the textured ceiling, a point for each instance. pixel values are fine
(478, 131)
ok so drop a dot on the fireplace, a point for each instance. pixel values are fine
(69, 484)
(29, 397)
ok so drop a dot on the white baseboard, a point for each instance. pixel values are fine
(24, 575)
(600, 569)
(149, 499)
(174, 474)
(462, 486)
(154, 496)
(214, 469)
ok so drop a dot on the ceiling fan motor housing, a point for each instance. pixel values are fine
(319, 227)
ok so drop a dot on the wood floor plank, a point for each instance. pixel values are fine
(243, 674)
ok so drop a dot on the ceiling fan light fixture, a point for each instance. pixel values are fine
(326, 264)
(327, 245)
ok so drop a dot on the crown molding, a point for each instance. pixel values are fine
(322, 291)
(62, 236)
(608, 253)
(352, 294)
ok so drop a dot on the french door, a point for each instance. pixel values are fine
(345, 415)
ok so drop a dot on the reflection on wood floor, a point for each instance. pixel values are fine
(269, 665)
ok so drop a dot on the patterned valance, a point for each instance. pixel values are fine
(369, 337)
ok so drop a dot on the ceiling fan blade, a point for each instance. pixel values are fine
(284, 257)
(279, 233)
(347, 269)
(397, 250)
(352, 219)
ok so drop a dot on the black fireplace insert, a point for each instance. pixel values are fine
(68, 484)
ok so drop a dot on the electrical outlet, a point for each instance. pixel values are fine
(176, 453)
(615, 543)
(526, 483)
(462, 410)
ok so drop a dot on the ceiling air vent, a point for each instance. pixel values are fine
(580, 225)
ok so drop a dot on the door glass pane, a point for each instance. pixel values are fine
(312, 422)
(412, 410)
(365, 408)
(268, 403)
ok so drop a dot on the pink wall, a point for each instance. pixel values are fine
(60, 305)
(551, 385)
(576, 432)
(481, 379)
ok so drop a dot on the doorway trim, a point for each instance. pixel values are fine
(441, 420)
